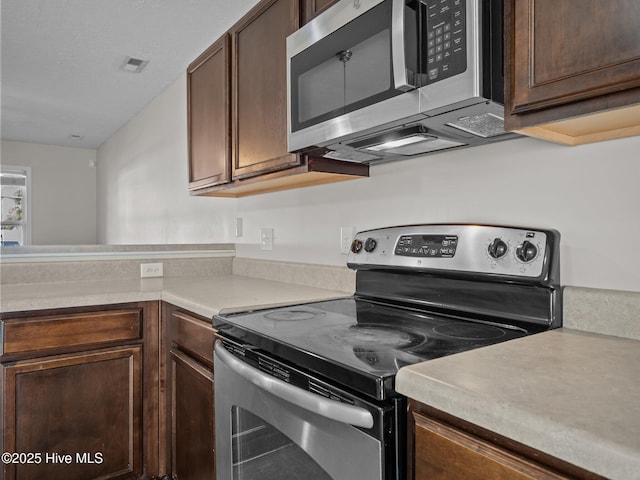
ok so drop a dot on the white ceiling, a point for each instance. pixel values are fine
(61, 61)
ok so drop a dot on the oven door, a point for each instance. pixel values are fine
(268, 428)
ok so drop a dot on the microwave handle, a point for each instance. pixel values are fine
(331, 409)
(398, 47)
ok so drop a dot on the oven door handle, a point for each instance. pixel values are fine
(339, 412)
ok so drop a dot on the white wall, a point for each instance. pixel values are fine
(142, 181)
(589, 193)
(63, 191)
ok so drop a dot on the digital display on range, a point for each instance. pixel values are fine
(432, 246)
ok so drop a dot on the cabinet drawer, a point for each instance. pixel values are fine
(43, 333)
(193, 334)
(444, 452)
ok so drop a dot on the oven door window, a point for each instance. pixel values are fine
(261, 451)
(347, 70)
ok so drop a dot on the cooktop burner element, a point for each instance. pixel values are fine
(377, 337)
(422, 292)
(470, 331)
(291, 315)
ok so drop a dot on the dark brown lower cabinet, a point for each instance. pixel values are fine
(446, 453)
(190, 394)
(193, 427)
(79, 393)
(79, 416)
(117, 392)
(443, 447)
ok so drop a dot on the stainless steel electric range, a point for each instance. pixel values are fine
(307, 391)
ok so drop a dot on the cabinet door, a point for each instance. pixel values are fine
(193, 426)
(208, 88)
(313, 8)
(259, 81)
(446, 453)
(82, 413)
(563, 52)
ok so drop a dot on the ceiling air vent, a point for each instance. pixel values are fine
(133, 65)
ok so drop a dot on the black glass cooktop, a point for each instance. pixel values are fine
(358, 343)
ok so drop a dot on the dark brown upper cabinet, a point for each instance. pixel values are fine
(208, 117)
(313, 8)
(237, 92)
(259, 88)
(572, 70)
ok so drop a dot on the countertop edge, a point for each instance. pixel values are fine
(497, 413)
(196, 294)
(582, 448)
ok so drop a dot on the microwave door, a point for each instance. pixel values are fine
(339, 83)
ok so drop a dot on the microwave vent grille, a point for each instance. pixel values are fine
(486, 125)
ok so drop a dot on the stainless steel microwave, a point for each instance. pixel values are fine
(372, 80)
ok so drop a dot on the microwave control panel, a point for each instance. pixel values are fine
(445, 39)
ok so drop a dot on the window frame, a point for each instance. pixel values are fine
(26, 222)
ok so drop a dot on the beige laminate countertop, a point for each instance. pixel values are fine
(571, 394)
(205, 296)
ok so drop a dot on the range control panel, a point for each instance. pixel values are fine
(427, 246)
(483, 249)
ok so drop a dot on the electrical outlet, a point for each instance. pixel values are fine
(150, 270)
(346, 237)
(266, 239)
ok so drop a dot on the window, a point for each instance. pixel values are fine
(15, 205)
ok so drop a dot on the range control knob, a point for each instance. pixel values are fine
(526, 251)
(356, 246)
(370, 245)
(497, 248)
